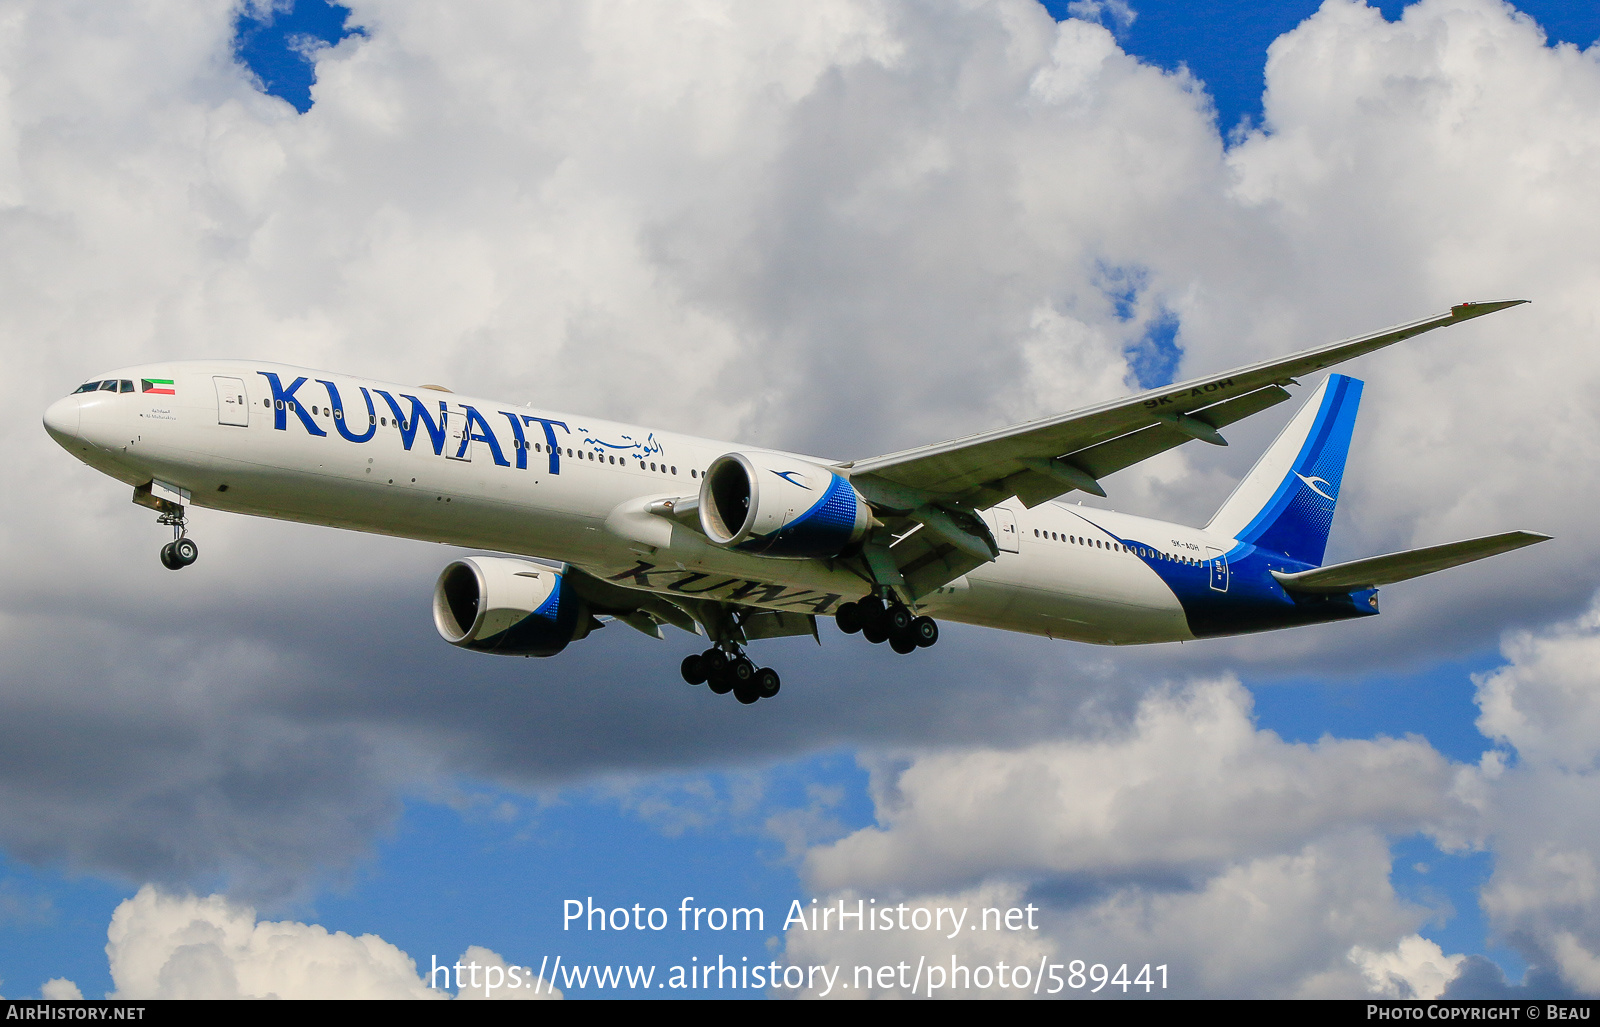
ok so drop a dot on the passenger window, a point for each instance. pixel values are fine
(674, 469)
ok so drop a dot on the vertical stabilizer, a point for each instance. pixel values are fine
(1285, 503)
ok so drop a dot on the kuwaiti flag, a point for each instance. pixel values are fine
(159, 386)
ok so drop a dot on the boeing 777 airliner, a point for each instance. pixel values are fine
(651, 528)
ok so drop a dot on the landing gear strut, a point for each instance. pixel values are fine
(181, 551)
(894, 623)
(728, 669)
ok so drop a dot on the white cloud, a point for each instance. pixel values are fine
(1248, 865)
(1191, 786)
(1416, 969)
(164, 946)
(59, 989)
(1546, 701)
(1544, 895)
(170, 946)
(1117, 11)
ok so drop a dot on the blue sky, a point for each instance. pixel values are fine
(484, 851)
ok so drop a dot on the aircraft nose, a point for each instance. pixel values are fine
(61, 419)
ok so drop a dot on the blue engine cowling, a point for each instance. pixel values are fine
(492, 604)
(769, 504)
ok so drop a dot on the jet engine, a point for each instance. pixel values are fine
(509, 607)
(773, 505)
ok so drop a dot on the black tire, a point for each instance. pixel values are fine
(713, 661)
(742, 670)
(848, 617)
(185, 551)
(870, 608)
(875, 633)
(169, 559)
(767, 682)
(747, 692)
(926, 630)
(693, 669)
(721, 681)
(903, 642)
(899, 619)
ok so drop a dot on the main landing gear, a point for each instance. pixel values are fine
(730, 670)
(895, 624)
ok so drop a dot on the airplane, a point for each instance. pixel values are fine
(593, 521)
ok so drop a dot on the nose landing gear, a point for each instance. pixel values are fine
(730, 670)
(181, 551)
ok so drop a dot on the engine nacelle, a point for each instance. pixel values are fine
(491, 604)
(772, 505)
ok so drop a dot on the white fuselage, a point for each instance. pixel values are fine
(584, 504)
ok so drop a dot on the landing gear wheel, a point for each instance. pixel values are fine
(747, 692)
(742, 671)
(767, 682)
(693, 669)
(718, 674)
(185, 551)
(899, 619)
(848, 617)
(169, 559)
(903, 642)
(925, 630)
(875, 633)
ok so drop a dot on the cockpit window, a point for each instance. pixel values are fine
(86, 387)
(109, 386)
(127, 386)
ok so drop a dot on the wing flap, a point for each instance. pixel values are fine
(1413, 563)
(967, 465)
(778, 624)
(1033, 488)
(926, 561)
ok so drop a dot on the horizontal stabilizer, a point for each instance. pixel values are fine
(1413, 563)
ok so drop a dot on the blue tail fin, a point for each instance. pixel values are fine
(1285, 504)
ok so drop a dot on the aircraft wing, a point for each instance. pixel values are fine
(1413, 563)
(1039, 460)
